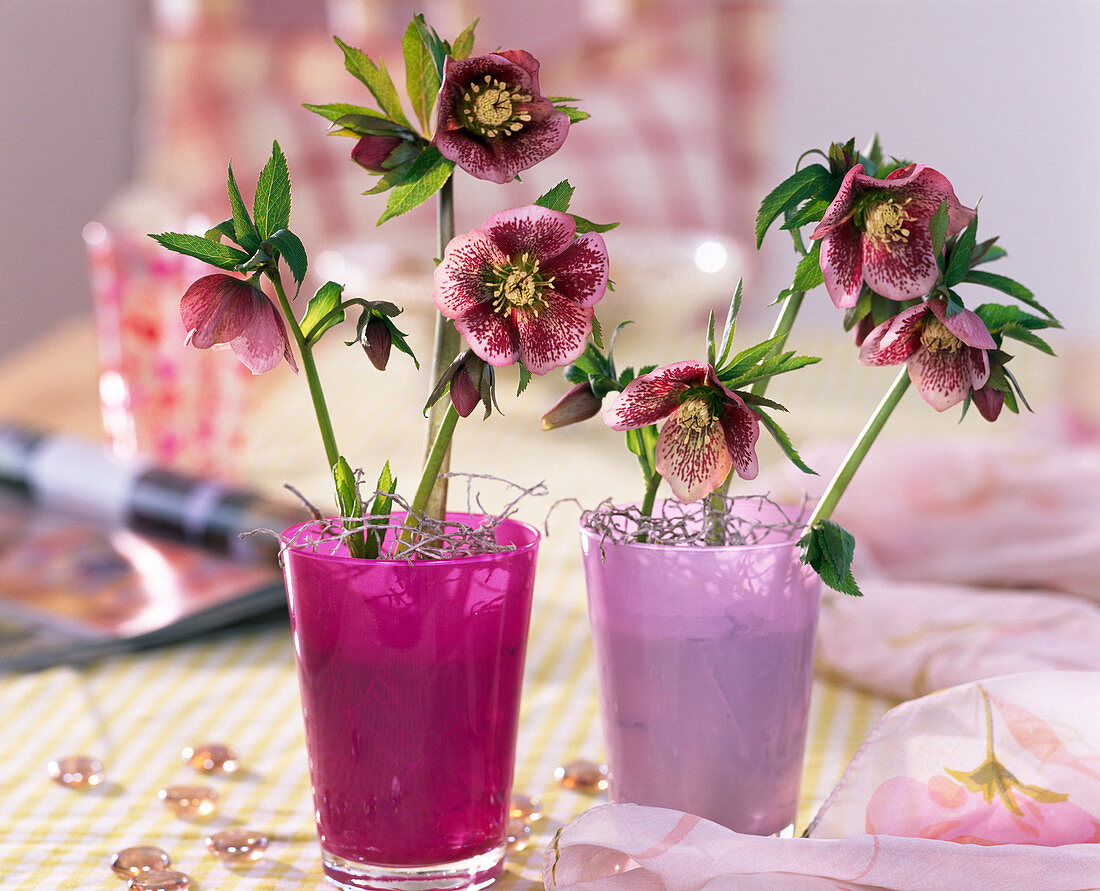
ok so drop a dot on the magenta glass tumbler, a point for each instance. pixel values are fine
(705, 664)
(410, 676)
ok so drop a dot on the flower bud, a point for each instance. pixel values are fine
(465, 393)
(989, 402)
(372, 150)
(377, 340)
(578, 404)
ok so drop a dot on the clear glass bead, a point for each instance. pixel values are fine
(582, 776)
(237, 845)
(190, 802)
(525, 807)
(160, 880)
(133, 861)
(76, 771)
(212, 758)
(518, 835)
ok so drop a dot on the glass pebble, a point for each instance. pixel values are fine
(161, 880)
(525, 807)
(237, 845)
(212, 758)
(518, 835)
(134, 861)
(190, 802)
(76, 771)
(583, 776)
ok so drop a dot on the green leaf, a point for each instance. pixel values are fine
(272, 205)
(464, 43)
(380, 512)
(784, 441)
(368, 125)
(828, 547)
(244, 233)
(213, 252)
(376, 79)
(333, 111)
(421, 75)
(391, 178)
(938, 228)
(437, 48)
(350, 506)
(224, 229)
(959, 263)
(809, 182)
(292, 251)
(557, 198)
(1024, 335)
(1008, 286)
(808, 275)
(425, 177)
(317, 320)
(954, 304)
(524, 378)
(397, 338)
(987, 252)
(575, 114)
(730, 326)
(597, 332)
(584, 225)
(874, 152)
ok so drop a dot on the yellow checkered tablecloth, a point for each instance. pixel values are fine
(136, 712)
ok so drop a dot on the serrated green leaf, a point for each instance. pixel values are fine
(349, 506)
(784, 441)
(1025, 335)
(421, 76)
(828, 548)
(807, 274)
(391, 178)
(959, 263)
(524, 378)
(575, 115)
(425, 177)
(333, 111)
(993, 252)
(954, 304)
(464, 43)
(317, 319)
(937, 226)
(1008, 286)
(874, 152)
(397, 338)
(224, 229)
(597, 331)
(997, 315)
(243, 231)
(368, 125)
(557, 198)
(436, 47)
(292, 251)
(380, 512)
(271, 209)
(729, 328)
(809, 182)
(376, 79)
(213, 252)
(810, 212)
(584, 225)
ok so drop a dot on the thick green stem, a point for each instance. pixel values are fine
(651, 486)
(782, 328)
(309, 369)
(448, 342)
(436, 461)
(859, 450)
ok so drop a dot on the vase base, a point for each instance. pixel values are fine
(460, 875)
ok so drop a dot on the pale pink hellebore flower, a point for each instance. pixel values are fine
(709, 428)
(946, 355)
(221, 309)
(877, 231)
(492, 121)
(522, 288)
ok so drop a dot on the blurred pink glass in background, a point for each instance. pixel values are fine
(161, 399)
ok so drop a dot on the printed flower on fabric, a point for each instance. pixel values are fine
(877, 231)
(945, 809)
(221, 309)
(522, 287)
(946, 355)
(708, 431)
(492, 120)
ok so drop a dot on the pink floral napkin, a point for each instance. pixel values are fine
(986, 785)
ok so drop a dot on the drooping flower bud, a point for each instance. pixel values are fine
(578, 404)
(372, 151)
(465, 394)
(988, 401)
(377, 339)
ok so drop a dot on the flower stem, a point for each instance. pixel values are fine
(859, 450)
(651, 486)
(435, 463)
(782, 328)
(448, 342)
(309, 369)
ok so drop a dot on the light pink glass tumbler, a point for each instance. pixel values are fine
(410, 678)
(705, 665)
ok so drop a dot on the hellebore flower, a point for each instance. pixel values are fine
(578, 404)
(708, 431)
(222, 309)
(877, 231)
(522, 287)
(492, 120)
(946, 355)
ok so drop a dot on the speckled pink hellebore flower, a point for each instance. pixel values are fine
(708, 431)
(877, 231)
(221, 309)
(946, 355)
(522, 287)
(492, 121)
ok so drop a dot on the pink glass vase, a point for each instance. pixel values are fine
(705, 664)
(410, 677)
